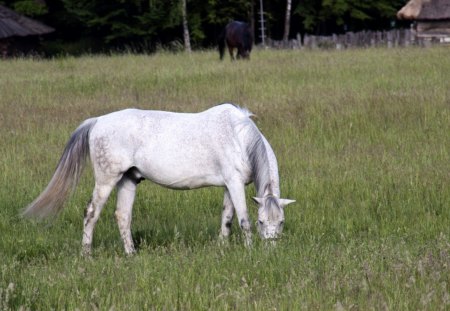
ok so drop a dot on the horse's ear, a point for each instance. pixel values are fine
(258, 201)
(285, 202)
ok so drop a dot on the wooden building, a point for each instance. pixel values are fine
(19, 34)
(431, 18)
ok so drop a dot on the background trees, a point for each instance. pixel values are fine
(144, 25)
(335, 16)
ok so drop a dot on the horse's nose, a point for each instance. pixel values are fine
(271, 233)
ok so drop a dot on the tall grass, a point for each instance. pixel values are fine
(362, 140)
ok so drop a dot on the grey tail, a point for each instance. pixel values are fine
(66, 176)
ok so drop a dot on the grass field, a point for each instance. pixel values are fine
(363, 145)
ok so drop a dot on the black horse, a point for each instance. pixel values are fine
(236, 35)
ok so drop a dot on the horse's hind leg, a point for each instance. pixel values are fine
(100, 195)
(126, 190)
(227, 216)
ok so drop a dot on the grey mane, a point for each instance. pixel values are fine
(259, 162)
(256, 151)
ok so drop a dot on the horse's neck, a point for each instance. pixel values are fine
(267, 179)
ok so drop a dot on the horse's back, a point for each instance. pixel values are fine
(129, 121)
(238, 24)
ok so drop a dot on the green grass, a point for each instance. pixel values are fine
(363, 145)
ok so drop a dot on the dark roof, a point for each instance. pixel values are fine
(14, 24)
(435, 9)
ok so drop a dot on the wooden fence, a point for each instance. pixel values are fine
(362, 39)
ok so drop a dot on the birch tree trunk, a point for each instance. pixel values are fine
(252, 19)
(287, 21)
(187, 38)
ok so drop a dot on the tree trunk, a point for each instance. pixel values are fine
(252, 19)
(287, 21)
(261, 20)
(187, 38)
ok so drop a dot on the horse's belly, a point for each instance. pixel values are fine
(193, 182)
(181, 180)
(178, 169)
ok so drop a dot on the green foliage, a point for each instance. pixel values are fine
(120, 21)
(220, 12)
(196, 33)
(362, 145)
(30, 8)
(345, 12)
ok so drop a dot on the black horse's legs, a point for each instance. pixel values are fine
(230, 49)
(241, 52)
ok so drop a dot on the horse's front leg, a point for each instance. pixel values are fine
(237, 195)
(230, 49)
(126, 190)
(227, 216)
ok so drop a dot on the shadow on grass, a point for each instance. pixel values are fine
(165, 237)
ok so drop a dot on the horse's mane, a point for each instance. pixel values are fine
(256, 152)
(257, 155)
(272, 206)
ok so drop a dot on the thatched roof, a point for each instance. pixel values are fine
(435, 9)
(411, 10)
(425, 10)
(13, 24)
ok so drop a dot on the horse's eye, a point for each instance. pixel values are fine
(281, 222)
(260, 222)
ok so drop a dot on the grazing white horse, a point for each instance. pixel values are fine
(218, 147)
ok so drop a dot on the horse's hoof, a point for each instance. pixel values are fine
(86, 251)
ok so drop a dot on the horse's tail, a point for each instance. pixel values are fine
(221, 40)
(66, 175)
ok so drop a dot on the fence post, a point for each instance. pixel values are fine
(407, 33)
(313, 41)
(299, 41)
(389, 39)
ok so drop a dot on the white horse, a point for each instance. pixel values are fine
(218, 147)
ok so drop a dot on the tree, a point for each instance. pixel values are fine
(328, 16)
(121, 23)
(287, 21)
(187, 39)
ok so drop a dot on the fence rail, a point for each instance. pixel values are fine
(390, 38)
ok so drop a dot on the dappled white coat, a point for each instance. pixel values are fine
(218, 147)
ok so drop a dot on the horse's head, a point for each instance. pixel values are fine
(271, 215)
(247, 43)
(245, 54)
